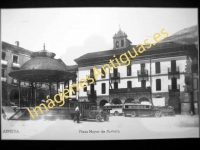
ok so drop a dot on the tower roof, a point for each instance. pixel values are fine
(120, 33)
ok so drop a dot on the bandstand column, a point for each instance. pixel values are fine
(19, 92)
(35, 89)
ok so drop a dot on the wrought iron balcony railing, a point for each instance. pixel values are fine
(115, 75)
(142, 72)
(171, 88)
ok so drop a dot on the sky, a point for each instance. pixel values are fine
(73, 32)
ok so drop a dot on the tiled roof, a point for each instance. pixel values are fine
(123, 50)
(72, 68)
(22, 50)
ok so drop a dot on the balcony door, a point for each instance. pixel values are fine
(173, 66)
(115, 72)
(143, 83)
(142, 68)
(174, 83)
(92, 88)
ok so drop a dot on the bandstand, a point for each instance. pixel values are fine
(42, 69)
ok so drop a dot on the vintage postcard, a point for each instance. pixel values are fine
(99, 73)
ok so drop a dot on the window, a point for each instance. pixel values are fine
(158, 84)
(174, 83)
(3, 72)
(117, 44)
(103, 88)
(15, 59)
(157, 66)
(143, 83)
(74, 89)
(85, 89)
(129, 70)
(3, 56)
(173, 65)
(122, 43)
(115, 72)
(91, 73)
(115, 85)
(73, 81)
(103, 72)
(92, 88)
(129, 84)
(142, 68)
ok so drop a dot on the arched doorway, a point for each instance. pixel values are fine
(14, 96)
(116, 101)
(144, 99)
(4, 97)
(174, 101)
(102, 103)
(128, 100)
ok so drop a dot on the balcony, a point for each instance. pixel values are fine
(143, 75)
(115, 77)
(4, 62)
(173, 73)
(3, 79)
(16, 66)
(129, 90)
(174, 89)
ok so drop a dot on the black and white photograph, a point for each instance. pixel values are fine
(99, 73)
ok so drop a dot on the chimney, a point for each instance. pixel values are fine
(17, 42)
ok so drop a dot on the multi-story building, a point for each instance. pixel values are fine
(156, 74)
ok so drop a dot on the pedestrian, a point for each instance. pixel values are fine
(77, 112)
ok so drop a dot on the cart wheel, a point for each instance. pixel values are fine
(98, 117)
(133, 114)
(116, 113)
(158, 114)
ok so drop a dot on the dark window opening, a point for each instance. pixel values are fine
(143, 83)
(103, 88)
(85, 89)
(74, 93)
(103, 72)
(122, 43)
(115, 72)
(174, 83)
(3, 56)
(158, 84)
(173, 65)
(129, 84)
(92, 88)
(15, 59)
(142, 68)
(91, 73)
(3, 72)
(74, 81)
(115, 85)
(117, 44)
(129, 70)
(157, 66)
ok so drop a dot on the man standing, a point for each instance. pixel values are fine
(77, 114)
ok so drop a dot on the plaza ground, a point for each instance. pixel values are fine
(118, 127)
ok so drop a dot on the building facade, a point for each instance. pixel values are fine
(158, 74)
